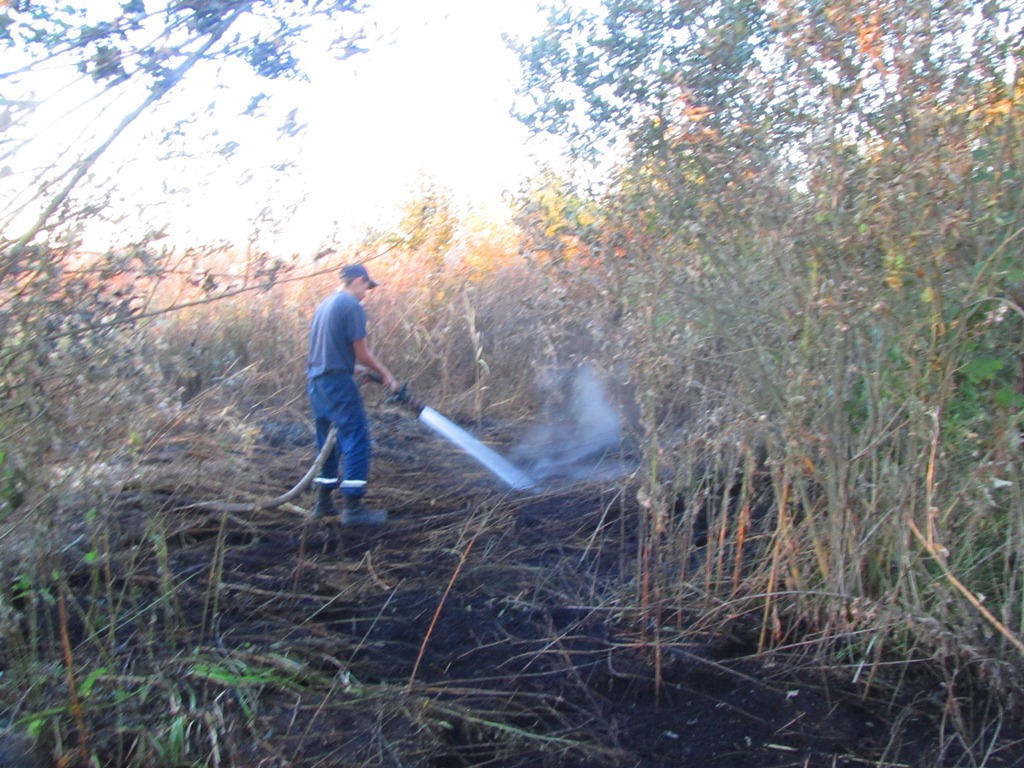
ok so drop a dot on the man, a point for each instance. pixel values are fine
(337, 345)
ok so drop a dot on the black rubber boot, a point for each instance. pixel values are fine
(324, 503)
(356, 513)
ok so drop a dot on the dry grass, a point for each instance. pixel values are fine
(477, 628)
(767, 526)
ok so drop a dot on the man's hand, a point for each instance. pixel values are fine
(365, 358)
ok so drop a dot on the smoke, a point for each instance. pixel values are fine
(579, 436)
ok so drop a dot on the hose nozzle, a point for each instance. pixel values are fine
(399, 397)
(402, 397)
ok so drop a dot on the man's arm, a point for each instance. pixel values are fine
(364, 356)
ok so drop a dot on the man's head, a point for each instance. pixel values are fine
(355, 278)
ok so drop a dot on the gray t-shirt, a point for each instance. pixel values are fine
(338, 321)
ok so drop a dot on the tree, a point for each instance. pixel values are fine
(873, 141)
(818, 220)
(59, 305)
(144, 56)
(640, 70)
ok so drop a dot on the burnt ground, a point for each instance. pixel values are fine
(478, 627)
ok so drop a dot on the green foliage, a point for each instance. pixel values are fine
(808, 263)
(556, 221)
(50, 291)
(630, 73)
(68, 318)
(131, 53)
(813, 246)
(120, 47)
(428, 228)
(11, 483)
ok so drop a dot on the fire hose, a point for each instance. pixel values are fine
(512, 475)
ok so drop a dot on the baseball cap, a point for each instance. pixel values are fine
(352, 271)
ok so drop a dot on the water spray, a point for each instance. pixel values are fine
(499, 466)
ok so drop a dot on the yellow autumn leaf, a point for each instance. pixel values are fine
(1001, 107)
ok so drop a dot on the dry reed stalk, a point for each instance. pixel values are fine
(770, 611)
(741, 536)
(437, 612)
(937, 556)
(75, 701)
(214, 578)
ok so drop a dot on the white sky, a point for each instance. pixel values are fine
(430, 100)
(437, 99)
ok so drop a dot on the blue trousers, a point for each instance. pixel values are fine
(335, 399)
